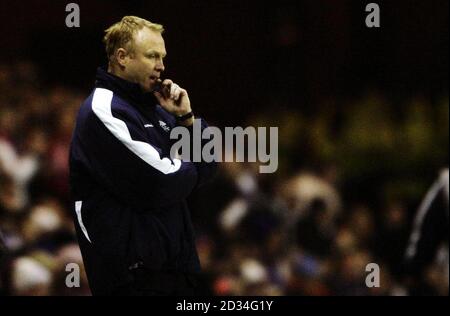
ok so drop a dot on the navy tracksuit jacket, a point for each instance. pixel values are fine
(129, 196)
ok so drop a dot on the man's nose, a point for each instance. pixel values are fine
(160, 65)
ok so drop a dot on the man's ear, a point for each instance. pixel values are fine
(122, 57)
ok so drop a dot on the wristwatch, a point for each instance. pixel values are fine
(184, 117)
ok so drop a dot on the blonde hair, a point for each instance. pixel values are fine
(121, 33)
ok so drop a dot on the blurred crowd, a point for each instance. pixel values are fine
(35, 222)
(347, 187)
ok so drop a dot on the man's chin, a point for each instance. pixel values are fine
(147, 88)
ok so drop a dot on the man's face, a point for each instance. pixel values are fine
(145, 64)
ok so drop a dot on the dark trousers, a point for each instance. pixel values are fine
(159, 283)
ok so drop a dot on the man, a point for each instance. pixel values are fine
(129, 195)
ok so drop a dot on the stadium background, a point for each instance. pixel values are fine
(363, 132)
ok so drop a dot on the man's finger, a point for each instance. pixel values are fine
(175, 91)
(167, 82)
(158, 96)
(173, 87)
(166, 87)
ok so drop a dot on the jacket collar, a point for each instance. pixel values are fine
(124, 88)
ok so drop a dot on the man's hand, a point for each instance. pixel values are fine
(174, 100)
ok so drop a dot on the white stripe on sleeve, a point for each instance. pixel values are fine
(101, 105)
(78, 205)
(420, 217)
